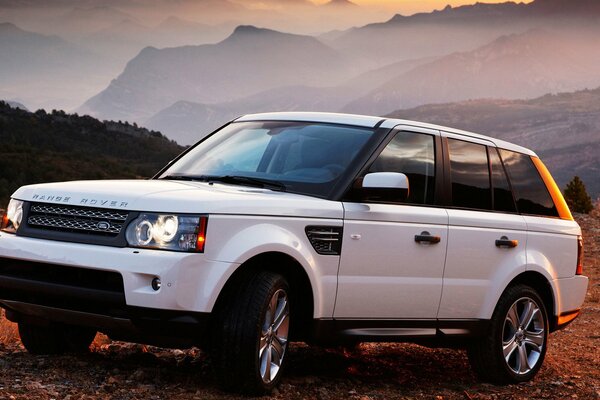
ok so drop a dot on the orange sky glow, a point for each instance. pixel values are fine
(408, 7)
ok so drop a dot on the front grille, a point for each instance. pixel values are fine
(79, 211)
(326, 240)
(73, 219)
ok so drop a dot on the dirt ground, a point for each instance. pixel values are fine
(116, 370)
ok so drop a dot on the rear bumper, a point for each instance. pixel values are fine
(570, 295)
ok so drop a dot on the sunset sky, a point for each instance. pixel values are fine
(414, 6)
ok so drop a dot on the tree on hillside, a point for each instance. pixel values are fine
(577, 197)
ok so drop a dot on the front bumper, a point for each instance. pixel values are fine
(115, 277)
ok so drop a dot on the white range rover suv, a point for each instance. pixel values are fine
(324, 228)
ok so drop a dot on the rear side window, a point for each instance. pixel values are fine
(531, 193)
(503, 198)
(412, 154)
(470, 175)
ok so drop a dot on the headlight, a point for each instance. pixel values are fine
(12, 217)
(168, 232)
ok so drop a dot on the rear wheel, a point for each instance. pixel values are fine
(55, 338)
(252, 335)
(514, 348)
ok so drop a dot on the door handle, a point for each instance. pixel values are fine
(506, 242)
(426, 237)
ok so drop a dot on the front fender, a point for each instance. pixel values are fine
(237, 239)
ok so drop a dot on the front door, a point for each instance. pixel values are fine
(388, 268)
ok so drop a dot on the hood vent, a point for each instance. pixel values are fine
(326, 240)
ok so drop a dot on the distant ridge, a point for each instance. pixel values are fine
(56, 146)
(564, 129)
(249, 61)
(340, 3)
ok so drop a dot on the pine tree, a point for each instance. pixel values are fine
(577, 197)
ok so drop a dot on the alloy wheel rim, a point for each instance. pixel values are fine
(274, 336)
(523, 336)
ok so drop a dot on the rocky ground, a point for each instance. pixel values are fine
(116, 370)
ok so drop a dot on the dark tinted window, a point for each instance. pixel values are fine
(412, 154)
(530, 191)
(470, 175)
(503, 198)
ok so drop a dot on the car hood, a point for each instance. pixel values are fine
(179, 197)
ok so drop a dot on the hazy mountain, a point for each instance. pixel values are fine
(35, 68)
(187, 122)
(458, 28)
(123, 40)
(247, 62)
(16, 104)
(340, 4)
(514, 66)
(84, 20)
(563, 129)
(21, 50)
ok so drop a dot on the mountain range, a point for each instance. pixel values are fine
(249, 61)
(564, 128)
(182, 68)
(507, 50)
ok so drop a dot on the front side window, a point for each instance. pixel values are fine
(412, 154)
(469, 173)
(531, 193)
(307, 158)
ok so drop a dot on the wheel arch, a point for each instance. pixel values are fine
(302, 296)
(542, 286)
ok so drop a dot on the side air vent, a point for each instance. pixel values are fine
(326, 240)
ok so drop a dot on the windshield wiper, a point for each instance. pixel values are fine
(183, 178)
(231, 179)
(246, 180)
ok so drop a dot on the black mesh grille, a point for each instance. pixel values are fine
(326, 240)
(93, 221)
(69, 288)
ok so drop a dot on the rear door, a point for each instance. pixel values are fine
(486, 238)
(384, 273)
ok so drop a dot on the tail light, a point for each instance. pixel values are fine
(579, 269)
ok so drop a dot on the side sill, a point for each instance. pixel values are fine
(425, 330)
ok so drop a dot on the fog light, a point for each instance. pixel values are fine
(156, 283)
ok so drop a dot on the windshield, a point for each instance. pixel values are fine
(307, 158)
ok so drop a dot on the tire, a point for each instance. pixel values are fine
(55, 338)
(252, 333)
(519, 329)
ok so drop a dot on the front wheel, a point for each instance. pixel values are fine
(514, 348)
(252, 333)
(55, 338)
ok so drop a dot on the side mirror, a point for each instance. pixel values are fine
(385, 186)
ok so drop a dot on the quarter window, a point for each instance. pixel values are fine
(412, 154)
(470, 176)
(503, 198)
(530, 191)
